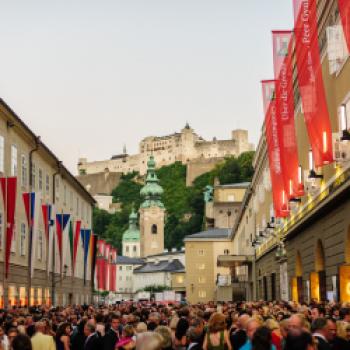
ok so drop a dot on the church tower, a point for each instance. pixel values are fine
(131, 238)
(152, 214)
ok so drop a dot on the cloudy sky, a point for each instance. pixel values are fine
(91, 75)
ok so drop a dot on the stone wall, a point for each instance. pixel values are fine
(199, 167)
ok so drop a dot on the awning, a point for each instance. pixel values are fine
(234, 260)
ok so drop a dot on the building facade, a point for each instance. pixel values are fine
(306, 256)
(182, 147)
(25, 157)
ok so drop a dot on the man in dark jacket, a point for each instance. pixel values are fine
(320, 332)
(112, 336)
(93, 340)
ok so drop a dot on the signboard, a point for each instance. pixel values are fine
(284, 281)
(169, 295)
(143, 295)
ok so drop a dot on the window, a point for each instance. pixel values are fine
(180, 279)
(57, 188)
(77, 208)
(13, 243)
(202, 294)
(47, 184)
(120, 268)
(24, 174)
(71, 200)
(129, 268)
(40, 245)
(14, 164)
(226, 252)
(200, 266)
(154, 229)
(127, 249)
(202, 279)
(2, 154)
(201, 252)
(22, 240)
(64, 194)
(40, 179)
(33, 176)
(134, 248)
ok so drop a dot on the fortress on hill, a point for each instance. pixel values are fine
(186, 147)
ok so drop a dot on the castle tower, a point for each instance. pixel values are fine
(152, 214)
(131, 238)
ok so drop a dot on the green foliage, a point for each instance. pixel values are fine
(154, 288)
(184, 205)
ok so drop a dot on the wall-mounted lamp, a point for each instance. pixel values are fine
(344, 124)
(313, 175)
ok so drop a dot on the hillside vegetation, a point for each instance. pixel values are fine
(184, 205)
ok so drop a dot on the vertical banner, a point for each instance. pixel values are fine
(75, 243)
(107, 265)
(280, 200)
(9, 192)
(87, 233)
(71, 244)
(61, 224)
(47, 211)
(112, 283)
(100, 264)
(283, 70)
(344, 10)
(310, 81)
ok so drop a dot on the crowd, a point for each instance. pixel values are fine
(147, 326)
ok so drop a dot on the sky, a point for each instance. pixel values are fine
(90, 76)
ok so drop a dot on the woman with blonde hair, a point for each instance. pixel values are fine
(276, 335)
(217, 336)
(149, 341)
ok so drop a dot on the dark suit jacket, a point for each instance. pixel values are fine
(196, 347)
(110, 340)
(93, 343)
(322, 344)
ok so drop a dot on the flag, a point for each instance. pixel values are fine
(75, 243)
(61, 224)
(87, 233)
(283, 69)
(71, 243)
(280, 201)
(9, 193)
(344, 10)
(47, 211)
(32, 202)
(310, 80)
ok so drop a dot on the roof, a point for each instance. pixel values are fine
(168, 253)
(237, 185)
(125, 260)
(162, 266)
(216, 233)
(37, 139)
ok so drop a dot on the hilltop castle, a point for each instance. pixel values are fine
(184, 147)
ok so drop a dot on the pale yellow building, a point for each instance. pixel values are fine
(25, 156)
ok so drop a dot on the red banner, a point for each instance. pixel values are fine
(100, 264)
(344, 10)
(280, 200)
(310, 81)
(112, 276)
(9, 192)
(75, 243)
(283, 68)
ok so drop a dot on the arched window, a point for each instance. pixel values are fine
(154, 229)
(134, 248)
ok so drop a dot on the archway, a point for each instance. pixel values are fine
(297, 282)
(318, 289)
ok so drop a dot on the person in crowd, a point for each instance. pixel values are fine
(180, 340)
(41, 341)
(4, 341)
(63, 336)
(30, 327)
(113, 334)
(92, 341)
(217, 336)
(165, 333)
(22, 342)
(239, 336)
(11, 334)
(149, 341)
(320, 329)
(300, 341)
(126, 342)
(78, 339)
(276, 336)
(193, 339)
(252, 325)
(262, 339)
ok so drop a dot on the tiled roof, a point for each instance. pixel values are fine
(162, 266)
(130, 261)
